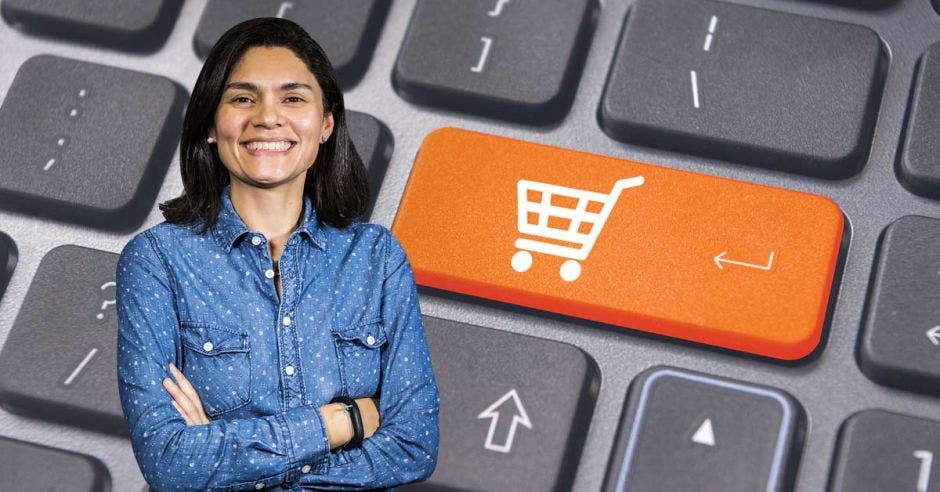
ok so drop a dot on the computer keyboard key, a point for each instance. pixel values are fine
(684, 430)
(133, 25)
(347, 30)
(900, 341)
(373, 141)
(93, 142)
(515, 60)
(58, 361)
(713, 260)
(746, 84)
(920, 159)
(30, 467)
(8, 258)
(515, 409)
(880, 451)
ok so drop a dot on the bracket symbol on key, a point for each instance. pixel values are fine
(498, 9)
(283, 9)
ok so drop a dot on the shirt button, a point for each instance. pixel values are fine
(256, 240)
(207, 346)
(305, 469)
(269, 273)
(286, 320)
(370, 339)
(259, 485)
(289, 370)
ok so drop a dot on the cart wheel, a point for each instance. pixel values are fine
(521, 261)
(570, 270)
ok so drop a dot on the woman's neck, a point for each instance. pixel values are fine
(274, 212)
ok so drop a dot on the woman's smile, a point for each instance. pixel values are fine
(259, 148)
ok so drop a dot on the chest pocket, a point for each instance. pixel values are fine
(216, 360)
(358, 349)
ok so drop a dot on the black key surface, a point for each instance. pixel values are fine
(58, 361)
(745, 84)
(516, 60)
(31, 467)
(883, 451)
(8, 258)
(514, 411)
(683, 430)
(919, 167)
(134, 25)
(373, 141)
(900, 340)
(347, 30)
(93, 142)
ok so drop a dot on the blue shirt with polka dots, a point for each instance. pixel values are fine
(347, 323)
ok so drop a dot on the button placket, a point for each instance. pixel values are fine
(293, 385)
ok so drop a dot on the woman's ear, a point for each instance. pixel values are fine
(327, 125)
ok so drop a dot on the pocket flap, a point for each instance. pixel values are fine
(370, 332)
(211, 339)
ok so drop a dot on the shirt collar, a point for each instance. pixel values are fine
(230, 227)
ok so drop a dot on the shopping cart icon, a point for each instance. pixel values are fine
(573, 218)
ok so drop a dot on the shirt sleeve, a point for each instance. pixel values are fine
(235, 454)
(404, 448)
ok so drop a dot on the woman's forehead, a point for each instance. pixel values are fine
(271, 67)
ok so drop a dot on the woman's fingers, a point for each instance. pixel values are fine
(189, 391)
(180, 410)
(185, 398)
(180, 400)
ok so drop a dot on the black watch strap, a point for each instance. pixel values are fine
(355, 417)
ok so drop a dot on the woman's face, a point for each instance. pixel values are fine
(270, 119)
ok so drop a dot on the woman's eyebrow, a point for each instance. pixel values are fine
(254, 88)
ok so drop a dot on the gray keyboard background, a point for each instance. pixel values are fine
(830, 387)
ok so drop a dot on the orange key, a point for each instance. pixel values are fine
(713, 260)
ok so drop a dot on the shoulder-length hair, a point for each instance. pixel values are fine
(337, 184)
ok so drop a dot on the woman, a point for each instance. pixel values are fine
(266, 339)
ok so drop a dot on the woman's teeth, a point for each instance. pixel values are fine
(277, 146)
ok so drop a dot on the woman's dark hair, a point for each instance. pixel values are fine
(337, 183)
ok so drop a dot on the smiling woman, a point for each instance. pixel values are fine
(286, 333)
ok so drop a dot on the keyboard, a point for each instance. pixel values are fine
(661, 245)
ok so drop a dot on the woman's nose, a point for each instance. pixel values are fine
(268, 113)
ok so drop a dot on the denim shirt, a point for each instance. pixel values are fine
(348, 324)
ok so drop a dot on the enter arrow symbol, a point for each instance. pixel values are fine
(934, 335)
(720, 258)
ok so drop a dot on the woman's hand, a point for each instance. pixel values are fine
(339, 428)
(185, 398)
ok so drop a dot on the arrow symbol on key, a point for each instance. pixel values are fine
(516, 412)
(705, 434)
(933, 335)
(720, 258)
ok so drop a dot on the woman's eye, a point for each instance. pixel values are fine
(241, 98)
